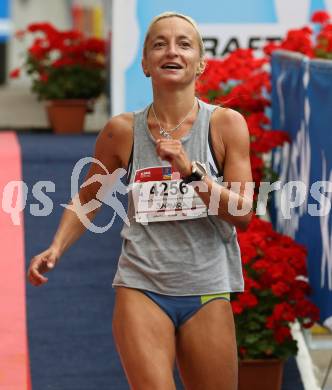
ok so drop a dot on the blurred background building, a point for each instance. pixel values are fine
(92, 17)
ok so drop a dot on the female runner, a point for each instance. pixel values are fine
(174, 274)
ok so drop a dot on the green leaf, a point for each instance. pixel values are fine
(251, 338)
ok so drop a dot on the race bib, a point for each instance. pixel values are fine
(159, 195)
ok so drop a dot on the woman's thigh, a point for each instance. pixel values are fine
(145, 340)
(206, 349)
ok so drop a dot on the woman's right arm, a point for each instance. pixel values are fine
(112, 149)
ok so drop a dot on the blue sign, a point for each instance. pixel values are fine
(301, 100)
(4, 19)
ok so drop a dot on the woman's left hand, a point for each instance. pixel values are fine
(172, 151)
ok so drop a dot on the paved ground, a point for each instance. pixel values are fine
(19, 110)
(321, 359)
(320, 348)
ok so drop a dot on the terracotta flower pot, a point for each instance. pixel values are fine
(67, 116)
(260, 374)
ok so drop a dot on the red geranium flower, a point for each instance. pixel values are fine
(281, 334)
(280, 288)
(237, 307)
(320, 17)
(64, 64)
(15, 73)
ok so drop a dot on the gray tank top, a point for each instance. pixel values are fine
(193, 257)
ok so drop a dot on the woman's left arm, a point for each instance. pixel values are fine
(234, 197)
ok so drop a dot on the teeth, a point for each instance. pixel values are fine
(171, 66)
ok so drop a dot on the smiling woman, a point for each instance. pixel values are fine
(158, 39)
(179, 260)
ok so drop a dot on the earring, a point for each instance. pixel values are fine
(147, 74)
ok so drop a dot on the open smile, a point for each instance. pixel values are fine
(171, 66)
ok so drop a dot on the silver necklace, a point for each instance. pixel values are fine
(168, 133)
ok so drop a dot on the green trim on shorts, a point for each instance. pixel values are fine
(207, 298)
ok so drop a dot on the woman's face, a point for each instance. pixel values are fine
(172, 52)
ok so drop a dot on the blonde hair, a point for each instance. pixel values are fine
(170, 14)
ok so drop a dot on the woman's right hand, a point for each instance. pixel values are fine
(41, 264)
